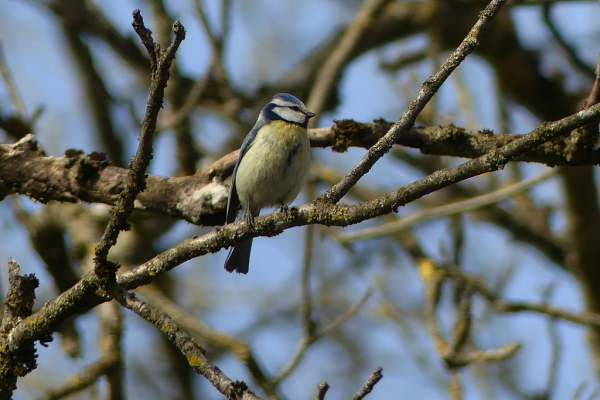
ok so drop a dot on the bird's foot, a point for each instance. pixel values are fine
(285, 209)
(250, 220)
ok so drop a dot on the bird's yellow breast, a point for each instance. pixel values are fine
(275, 167)
(282, 133)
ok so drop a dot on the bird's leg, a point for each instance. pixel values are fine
(285, 209)
(249, 218)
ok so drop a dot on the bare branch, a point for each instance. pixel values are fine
(321, 391)
(452, 353)
(83, 295)
(111, 332)
(429, 88)
(189, 347)
(137, 177)
(197, 199)
(343, 215)
(446, 210)
(18, 306)
(369, 385)
(240, 348)
(327, 75)
(556, 350)
(145, 35)
(110, 365)
(311, 337)
(569, 51)
(10, 83)
(306, 307)
(503, 306)
(83, 380)
(447, 140)
(24, 169)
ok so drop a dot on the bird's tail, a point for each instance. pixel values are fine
(238, 259)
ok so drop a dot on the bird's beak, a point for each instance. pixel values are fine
(309, 114)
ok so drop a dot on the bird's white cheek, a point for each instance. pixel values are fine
(290, 115)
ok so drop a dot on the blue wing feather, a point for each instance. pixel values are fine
(233, 203)
(239, 256)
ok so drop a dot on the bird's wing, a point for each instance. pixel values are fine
(233, 203)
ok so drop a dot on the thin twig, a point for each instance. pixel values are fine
(111, 332)
(215, 40)
(455, 386)
(321, 391)
(452, 353)
(326, 77)
(221, 340)
(188, 346)
(11, 84)
(190, 101)
(503, 306)
(200, 85)
(82, 380)
(217, 43)
(161, 64)
(429, 88)
(403, 60)
(556, 347)
(307, 341)
(578, 395)
(306, 306)
(145, 35)
(446, 210)
(462, 326)
(347, 315)
(83, 295)
(569, 51)
(369, 385)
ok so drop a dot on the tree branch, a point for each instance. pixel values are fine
(429, 88)
(18, 306)
(83, 297)
(201, 198)
(221, 340)
(321, 391)
(84, 379)
(136, 180)
(329, 73)
(188, 346)
(445, 210)
(447, 140)
(24, 169)
(369, 385)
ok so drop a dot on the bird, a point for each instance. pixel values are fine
(271, 169)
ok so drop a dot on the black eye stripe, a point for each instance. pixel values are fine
(288, 105)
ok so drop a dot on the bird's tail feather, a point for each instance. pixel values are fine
(238, 259)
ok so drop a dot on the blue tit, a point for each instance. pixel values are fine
(272, 167)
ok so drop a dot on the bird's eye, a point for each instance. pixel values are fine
(296, 108)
